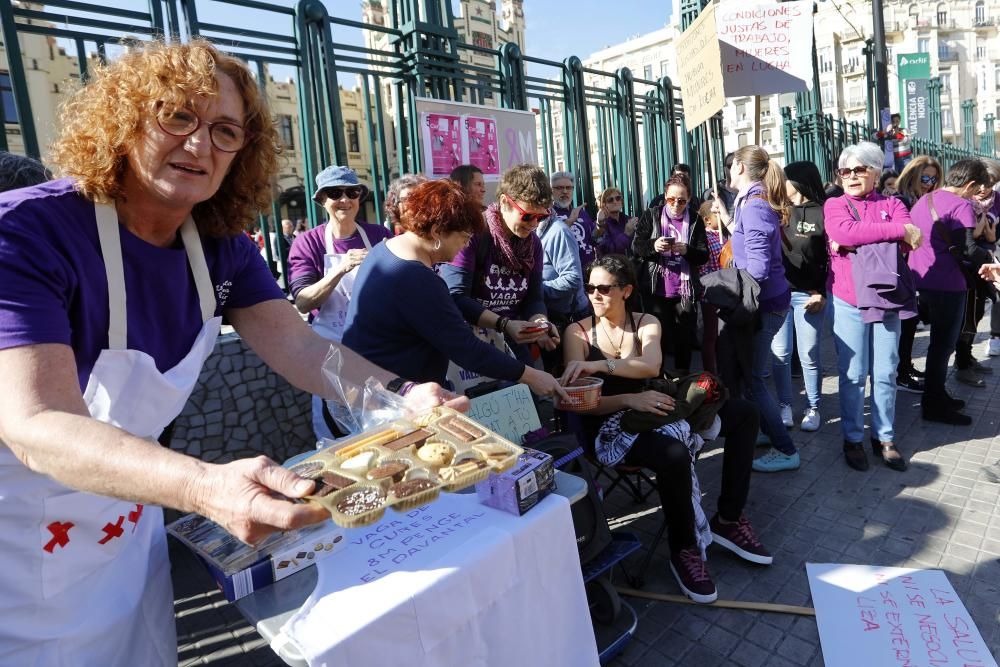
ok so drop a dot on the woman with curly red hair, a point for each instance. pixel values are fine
(115, 281)
(402, 316)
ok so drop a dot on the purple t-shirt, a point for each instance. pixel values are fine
(932, 264)
(672, 263)
(615, 241)
(583, 232)
(305, 259)
(503, 291)
(55, 288)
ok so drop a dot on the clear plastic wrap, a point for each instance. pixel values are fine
(358, 409)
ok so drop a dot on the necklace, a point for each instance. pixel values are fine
(618, 347)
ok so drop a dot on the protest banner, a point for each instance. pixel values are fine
(509, 412)
(765, 48)
(492, 139)
(700, 76)
(871, 615)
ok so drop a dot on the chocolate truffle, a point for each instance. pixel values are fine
(410, 487)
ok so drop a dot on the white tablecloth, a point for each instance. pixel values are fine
(453, 583)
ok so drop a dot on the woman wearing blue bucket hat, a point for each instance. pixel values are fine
(323, 263)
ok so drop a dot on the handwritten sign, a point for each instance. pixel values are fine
(892, 616)
(702, 87)
(765, 48)
(509, 412)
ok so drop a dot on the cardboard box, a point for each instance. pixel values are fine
(522, 487)
(240, 569)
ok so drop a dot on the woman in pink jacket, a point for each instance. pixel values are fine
(861, 217)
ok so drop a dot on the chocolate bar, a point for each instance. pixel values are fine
(418, 437)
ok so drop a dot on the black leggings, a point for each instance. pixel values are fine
(669, 459)
(677, 319)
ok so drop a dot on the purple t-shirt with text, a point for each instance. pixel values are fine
(55, 288)
(583, 232)
(503, 290)
(306, 255)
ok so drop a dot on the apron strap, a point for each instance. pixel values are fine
(328, 238)
(114, 267)
(109, 236)
(199, 268)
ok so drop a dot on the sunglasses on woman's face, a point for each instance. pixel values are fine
(337, 193)
(858, 172)
(615, 198)
(528, 217)
(603, 289)
(676, 201)
(928, 180)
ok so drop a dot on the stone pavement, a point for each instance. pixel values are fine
(941, 513)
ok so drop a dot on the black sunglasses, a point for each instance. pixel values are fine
(603, 289)
(337, 193)
(928, 180)
(857, 171)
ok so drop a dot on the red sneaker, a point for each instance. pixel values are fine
(692, 576)
(740, 538)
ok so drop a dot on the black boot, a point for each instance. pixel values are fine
(854, 454)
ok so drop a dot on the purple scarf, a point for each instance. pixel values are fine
(515, 253)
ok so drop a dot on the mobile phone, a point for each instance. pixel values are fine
(538, 327)
(670, 239)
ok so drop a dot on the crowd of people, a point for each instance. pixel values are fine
(516, 280)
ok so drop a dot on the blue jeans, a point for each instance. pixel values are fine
(864, 349)
(770, 414)
(807, 328)
(947, 311)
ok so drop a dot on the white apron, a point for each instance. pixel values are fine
(85, 579)
(332, 317)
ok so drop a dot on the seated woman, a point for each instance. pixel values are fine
(861, 217)
(324, 261)
(614, 228)
(496, 279)
(402, 314)
(623, 348)
(671, 242)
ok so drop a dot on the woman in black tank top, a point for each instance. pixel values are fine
(623, 348)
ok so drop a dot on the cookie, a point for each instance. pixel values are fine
(494, 452)
(360, 461)
(464, 467)
(461, 429)
(390, 469)
(436, 453)
(307, 469)
(417, 438)
(328, 482)
(411, 487)
(361, 501)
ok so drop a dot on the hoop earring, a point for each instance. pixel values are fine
(437, 245)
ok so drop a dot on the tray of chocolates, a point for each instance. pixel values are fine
(403, 465)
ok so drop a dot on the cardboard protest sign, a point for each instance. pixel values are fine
(871, 615)
(510, 412)
(765, 48)
(700, 76)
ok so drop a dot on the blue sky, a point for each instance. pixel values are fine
(556, 29)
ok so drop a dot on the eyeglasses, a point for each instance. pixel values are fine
(614, 198)
(351, 192)
(928, 180)
(180, 122)
(603, 289)
(525, 216)
(562, 187)
(858, 172)
(676, 201)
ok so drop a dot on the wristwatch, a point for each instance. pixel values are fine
(611, 366)
(395, 385)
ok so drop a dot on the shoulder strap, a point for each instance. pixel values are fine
(593, 330)
(854, 210)
(937, 227)
(635, 332)
(484, 244)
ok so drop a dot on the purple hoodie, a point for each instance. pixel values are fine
(756, 247)
(882, 219)
(615, 241)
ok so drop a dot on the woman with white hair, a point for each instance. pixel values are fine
(865, 228)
